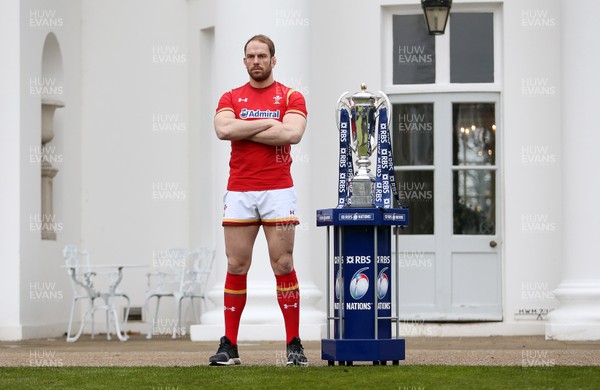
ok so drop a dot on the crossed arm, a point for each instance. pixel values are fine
(265, 131)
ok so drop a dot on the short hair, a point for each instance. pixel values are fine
(264, 39)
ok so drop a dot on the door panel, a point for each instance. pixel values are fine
(448, 178)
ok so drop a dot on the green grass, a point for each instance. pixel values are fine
(361, 377)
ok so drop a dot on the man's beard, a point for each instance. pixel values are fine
(260, 77)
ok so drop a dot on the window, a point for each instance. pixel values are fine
(472, 48)
(414, 51)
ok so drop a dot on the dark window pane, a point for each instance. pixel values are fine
(474, 196)
(414, 51)
(415, 189)
(474, 133)
(413, 134)
(471, 47)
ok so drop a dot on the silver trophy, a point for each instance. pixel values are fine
(364, 109)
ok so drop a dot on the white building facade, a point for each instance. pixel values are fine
(493, 134)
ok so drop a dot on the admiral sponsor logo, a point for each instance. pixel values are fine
(357, 217)
(259, 114)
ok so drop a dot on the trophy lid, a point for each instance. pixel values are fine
(364, 97)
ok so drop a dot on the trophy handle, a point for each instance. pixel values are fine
(388, 105)
(384, 101)
(341, 104)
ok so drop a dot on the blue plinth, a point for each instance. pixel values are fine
(363, 350)
(362, 277)
(349, 216)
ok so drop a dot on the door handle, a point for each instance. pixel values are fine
(493, 244)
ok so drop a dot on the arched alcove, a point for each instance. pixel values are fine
(51, 90)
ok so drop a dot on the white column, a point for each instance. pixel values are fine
(10, 171)
(578, 316)
(287, 23)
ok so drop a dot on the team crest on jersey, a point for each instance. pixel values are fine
(277, 99)
(259, 114)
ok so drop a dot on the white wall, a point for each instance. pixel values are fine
(135, 124)
(10, 162)
(532, 160)
(44, 288)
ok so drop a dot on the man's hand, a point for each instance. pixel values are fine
(289, 131)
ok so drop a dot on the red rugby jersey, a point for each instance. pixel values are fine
(254, 166)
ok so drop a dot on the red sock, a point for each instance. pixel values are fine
(234, 302)
(288, 296)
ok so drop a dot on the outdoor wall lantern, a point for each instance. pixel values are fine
(436, 15)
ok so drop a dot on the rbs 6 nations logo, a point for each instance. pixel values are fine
(359, 284)
(383, 283)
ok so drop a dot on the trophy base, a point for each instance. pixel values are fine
(362, 193)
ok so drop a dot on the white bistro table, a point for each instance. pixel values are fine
(82, 278)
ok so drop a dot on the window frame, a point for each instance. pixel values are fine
(442, 52)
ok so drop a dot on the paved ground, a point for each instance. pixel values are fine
(162, 351)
